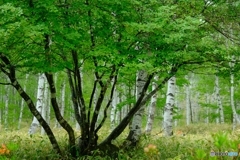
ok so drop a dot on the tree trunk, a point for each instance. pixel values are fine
(152, 107)
(45, 108)
(136, 126)
(61, 120)
(35, 124)
(235, 115)
(114, 109)
(219, 101)
(11, 73)
(177, 107)
(62, 105)
(168, 110)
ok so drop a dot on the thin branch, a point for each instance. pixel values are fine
(5, 83)
(108, 104)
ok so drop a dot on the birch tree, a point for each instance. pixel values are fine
(232, 102)
(136, 125)
(45, 105)
(169, 39)
(114, 109)
(152, 107)
(168, 109)
(40, 92)
(218, 98)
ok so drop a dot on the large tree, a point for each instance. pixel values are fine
(113, 40)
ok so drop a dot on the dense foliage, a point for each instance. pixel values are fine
(111, 41)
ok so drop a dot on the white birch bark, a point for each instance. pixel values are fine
(45, 105)
(235, 115)
(219, 101)
(22, 104)
(35, 124)
(48, 102)
(136, 125)
(176, 105)
(114, 109)
(124, 108)
(152, 107)
(63, 89)
(168, 109)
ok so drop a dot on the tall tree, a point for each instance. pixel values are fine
(168, 109)
(63, 33)
(219, 101)
(152, 107)
(40, 97)
(136, 125)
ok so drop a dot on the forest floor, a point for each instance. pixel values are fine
(193, 142)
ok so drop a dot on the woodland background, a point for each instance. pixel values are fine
(104, 78)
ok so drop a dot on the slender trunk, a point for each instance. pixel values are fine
(219, 101)
(235, 115)
(177, 107)
(22, 103)
(61, 120)
(77, 125)
(140, 102)
(14, 82)
(168, 110)
(35, 124)
(114, 109)
(63, 88)
(152, 107)
(62, 105)
(136, 126)
(45, 105)
(48, 102)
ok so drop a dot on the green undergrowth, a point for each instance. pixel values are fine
(196, 143)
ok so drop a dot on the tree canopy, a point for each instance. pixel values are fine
(112, 40)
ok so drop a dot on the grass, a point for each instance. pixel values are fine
(196, 144)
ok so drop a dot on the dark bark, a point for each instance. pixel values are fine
(9, 70)
(58, 115)
(119, 129)
(143, 98)
(108, 104)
